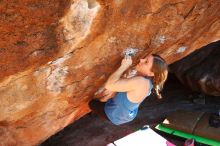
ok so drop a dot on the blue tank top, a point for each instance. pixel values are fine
(120, 110)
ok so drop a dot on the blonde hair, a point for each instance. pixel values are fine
(160, 70)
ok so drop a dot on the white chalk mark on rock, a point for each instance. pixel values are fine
(162, 39)
(78, 20)
(56, 79)
(181, 49)
(130, 52)
(57, 76)
(61, 60)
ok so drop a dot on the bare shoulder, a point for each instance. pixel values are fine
(141, 81)
(140, 90)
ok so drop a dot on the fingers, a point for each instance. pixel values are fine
(127, 57)
(126, 62)
(106, 97)
(108, 93)
(103, 100)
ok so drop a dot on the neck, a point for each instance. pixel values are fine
(142, 74)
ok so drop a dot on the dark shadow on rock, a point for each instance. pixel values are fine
(200, 70)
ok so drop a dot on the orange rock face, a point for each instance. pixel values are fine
(55, 55)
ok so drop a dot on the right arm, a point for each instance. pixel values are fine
(114, 83)
(114, 78)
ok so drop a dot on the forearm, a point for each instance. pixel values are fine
(115, 76)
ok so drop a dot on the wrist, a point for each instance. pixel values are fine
(123, 68)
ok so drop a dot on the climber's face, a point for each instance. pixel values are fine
(145, 65)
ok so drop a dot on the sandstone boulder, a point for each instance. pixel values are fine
(55, 55)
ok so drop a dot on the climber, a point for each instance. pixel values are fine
(124, 96)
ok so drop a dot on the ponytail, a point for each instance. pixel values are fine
(160, 70)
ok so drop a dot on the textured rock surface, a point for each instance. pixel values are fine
(200, 70)
(56, 54)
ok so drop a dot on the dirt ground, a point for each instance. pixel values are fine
(94, 131)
